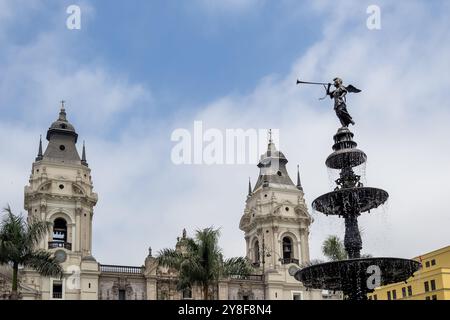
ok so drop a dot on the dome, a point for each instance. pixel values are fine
(62, 126)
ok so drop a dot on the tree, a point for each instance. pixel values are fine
(18, 241)
(334, 249)
(200, 261)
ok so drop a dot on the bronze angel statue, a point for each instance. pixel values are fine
(339, 96)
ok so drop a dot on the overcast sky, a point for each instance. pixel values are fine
(136, 71)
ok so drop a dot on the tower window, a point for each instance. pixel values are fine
(63, 126)
(256, 251)
(61, 186)
(279, 173)
(287, 248)
(287, 208)
(122, 295)
(60, 230)
(62, 147)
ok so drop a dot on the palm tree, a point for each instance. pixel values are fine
(333, 249)
(18, 241)
(200, 261)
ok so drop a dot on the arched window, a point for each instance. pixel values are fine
(256, 254)
(60, 230)
(287, 248)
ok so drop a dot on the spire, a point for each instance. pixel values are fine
(39, 156)
(249, 187)
(83, 156)
(62, 112)
(270, 146)
(299, 184)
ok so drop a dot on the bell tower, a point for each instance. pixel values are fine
(276, 226)
(60, 191)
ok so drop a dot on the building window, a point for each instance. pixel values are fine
(375, 297)
(434, 297)
(122, 295)
(404, 292)
(409, 291)
(60, 230)
(433, 285)
(57, 290)
(297, 296)
(427, 298)
(394, 294)
(187, 293)
(427, 264)
(389, 295)
(287, 248)
(370, 297)
(427, 286)
(256, 252)
(245, 297)
(433, 262)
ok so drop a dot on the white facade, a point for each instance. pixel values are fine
(276, 225)
(60, 190)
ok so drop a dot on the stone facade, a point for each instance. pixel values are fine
(60, 190)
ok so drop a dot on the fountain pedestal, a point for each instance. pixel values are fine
(355, 277)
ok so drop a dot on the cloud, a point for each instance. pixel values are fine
(146, 200)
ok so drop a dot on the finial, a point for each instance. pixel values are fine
(149, 251)
(299, 184)
(270, 136)
(62, 112)
(39, 156)
(249, 187)
(83, 156)
(184, 233)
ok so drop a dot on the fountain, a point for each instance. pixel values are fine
(355, 277)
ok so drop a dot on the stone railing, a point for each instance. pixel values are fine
(59, 244)
(250, 277)
(289, 260)
(106, 268)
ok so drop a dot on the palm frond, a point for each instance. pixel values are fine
(333, 249)
(237, 266)
(36, 230)
(43, 262)
(169, 258)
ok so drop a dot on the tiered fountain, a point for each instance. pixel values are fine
(355, 277)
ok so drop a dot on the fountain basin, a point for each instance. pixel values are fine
(348, 275)
(350, 201)
(346, 158)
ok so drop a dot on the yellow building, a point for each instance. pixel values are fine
(431, 282)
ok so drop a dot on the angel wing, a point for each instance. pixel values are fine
(352, 89)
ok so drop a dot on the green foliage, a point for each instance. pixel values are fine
(18, 242)
(333, 249)
(200, 261)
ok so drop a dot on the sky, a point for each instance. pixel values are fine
(136, 71)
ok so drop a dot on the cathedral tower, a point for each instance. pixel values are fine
(60, 191)
(276, 225)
